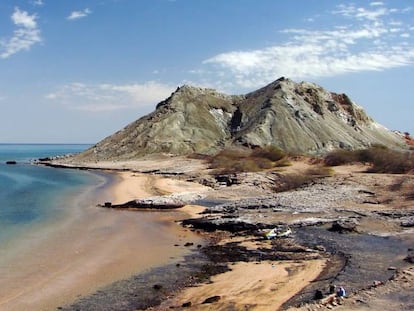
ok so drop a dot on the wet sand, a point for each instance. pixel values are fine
(92, 247)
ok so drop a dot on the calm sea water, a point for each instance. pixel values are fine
(31, 195)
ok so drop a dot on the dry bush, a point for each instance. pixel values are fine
(245, 160)
(340, 157)
(271, 153)
(391, 161)
(282, 163)
(382, 159)
(293, 181)
(263, 163)
(319, 171)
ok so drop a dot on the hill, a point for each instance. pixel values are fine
(301, 118)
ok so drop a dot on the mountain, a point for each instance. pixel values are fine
(296, 117)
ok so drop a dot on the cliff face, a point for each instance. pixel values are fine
(296, 117)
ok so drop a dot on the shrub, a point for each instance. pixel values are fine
(382, 159)
(293, 181)
(319, 171)
(282, 163)
(391, 161)
(271, 153)
(340, 157)
(235, 160)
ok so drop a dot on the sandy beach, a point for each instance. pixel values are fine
(93, 247)
(258, 286)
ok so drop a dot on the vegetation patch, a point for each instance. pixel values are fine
(236, 160)
(380, 158)
(294, 181)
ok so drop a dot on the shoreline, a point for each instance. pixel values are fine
(90, 249)
(147, 184)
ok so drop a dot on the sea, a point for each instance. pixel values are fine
(31, 195)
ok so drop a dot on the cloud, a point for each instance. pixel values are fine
(79, 14)
(24, 36)
(110, 97)
(38, 2)
(362, 39)
(376, 3)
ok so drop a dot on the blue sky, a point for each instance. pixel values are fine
(77, 71)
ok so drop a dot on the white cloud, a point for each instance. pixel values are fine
(79, 14)
(376, 3)
(362, 39)
(24, 36)
(38, 3)
(110, 97)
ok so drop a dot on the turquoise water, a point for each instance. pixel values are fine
(31, 195)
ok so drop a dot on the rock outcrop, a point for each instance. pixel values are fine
(296, 117)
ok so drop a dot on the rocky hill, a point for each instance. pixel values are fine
(296, 117)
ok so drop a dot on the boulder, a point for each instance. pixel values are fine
(410, 255)
(211, 299)
(407, 222)
(344, 226)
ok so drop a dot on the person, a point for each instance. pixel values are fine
(341, 292)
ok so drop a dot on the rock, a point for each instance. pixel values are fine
(188, 244)
(45, 159)
(186, 304)
(11, 162)
(211, 225)
(318, 295)
(410, 256)
(211, 299)
(407, 222)
(343, 226)
(150, 203)
(228, 180)
(157, 286)
(377, 283)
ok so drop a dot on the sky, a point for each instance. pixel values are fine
(76, 71)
